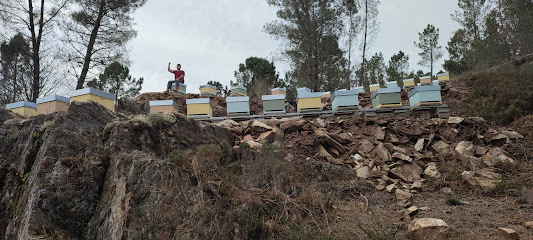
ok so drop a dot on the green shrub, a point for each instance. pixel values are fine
(453, 202)
(244, 146)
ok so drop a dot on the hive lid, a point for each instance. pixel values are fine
(197, 100)
(424, 77)
(374, 85)
(207, 86)
(385, 90)
(305, 94)
(237, 99)
(273, 97)
(93, 92)
(409, 80)
(304, 89)
(423, 89)
(52, 98)
(325, 93)
(443, 74)
(344, 92)
(163, 103)
(391, 84)
(238, 87)
(21, 104)
(279, 89)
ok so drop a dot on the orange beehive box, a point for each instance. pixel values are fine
(52, 103)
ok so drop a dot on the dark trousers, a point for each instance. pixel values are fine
(169, 84)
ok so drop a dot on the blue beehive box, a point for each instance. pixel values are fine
(238, 106)
(238, 91)
(274, 104)
(181, 88)
(392, 84)
(345, 100)
(425, 95)
(360, 89)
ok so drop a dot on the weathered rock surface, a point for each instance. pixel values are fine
(485, 178)
(428, 228)
(408, 173)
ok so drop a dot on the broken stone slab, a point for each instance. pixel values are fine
(330, 141)
(228, 124)
(508, 234)
(363, 172)
(419, 146)
(409, 214)
(428, 228)
(324, 153)
(496, 156)
(447, 191)
(432, 171)
(455, 120)
(248, 138)
(465, 148)
(512, 135)
(473, 163)
(408, 173)
(293, 125)
(528, 225)
(480, 150)
(259, 126)
(402, 157)
(255, 145)
(392, 187)
(272, 122)
(383, 153)
(403, 197)
(365, 147)
(399, 149)
(268, 137)
(320, 123)
(485, 178)
(441, 147)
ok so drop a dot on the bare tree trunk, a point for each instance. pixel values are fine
(90, 47)
(15, 80)
(36, 45)
(364, 45)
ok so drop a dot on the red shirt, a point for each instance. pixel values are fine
(178, 74)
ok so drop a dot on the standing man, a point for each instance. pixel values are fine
(179, 76)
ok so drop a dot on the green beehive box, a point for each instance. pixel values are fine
(182, 88)
(425, 96)
(238, 106)
(238, 91)
(345, 100)
(386, 97)
(274, 104)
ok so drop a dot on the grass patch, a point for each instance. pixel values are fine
(244, 146)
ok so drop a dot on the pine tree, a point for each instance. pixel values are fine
(429, 44)
(116, 80)
(398, 68)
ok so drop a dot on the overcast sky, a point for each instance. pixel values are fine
(211, 37)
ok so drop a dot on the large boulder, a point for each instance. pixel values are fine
(409, 173)
(465, 148)
(431, 171)
(428, 228)
(485, 178)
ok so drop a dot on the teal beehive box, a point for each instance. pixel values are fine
(238, 106)
(392, 84)
(435, 82)
(360, 89)
(238, 91)
(425, 96)
(345, 100)
(274, 104)
(386, 98)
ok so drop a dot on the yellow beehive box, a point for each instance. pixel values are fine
(52, 103)
(443, 77)
(163, 106)
(409, 83)
(26, 109)
(309, 102)
(425, 80)
(199, 107)
(374, 87)
(279, 91)
(208, 90)
(90, 94)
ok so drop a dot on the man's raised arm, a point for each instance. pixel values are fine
(169, 68)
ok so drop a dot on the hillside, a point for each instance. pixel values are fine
(93, 174)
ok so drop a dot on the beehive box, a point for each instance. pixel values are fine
(238, 106)
(392, 84)
(52, 103)
(386, 97)
(90, 94)
(199, 108)
(238, 91)
(163, 106)
(360, 89)
(345, 100)
(26, 109)
(443, 77)
(279, 91)
(208, 90)
(409, 83)
(425, 95)
(181, 88)
(374, 87)
(425, 80)
(274, 104)
(325, 95)
(309, 102)
(303, 89)
(435, 83)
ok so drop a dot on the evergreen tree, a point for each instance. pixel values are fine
(471, 17)
(398, 68)
(459, 51)
(429, 44)
(116, 80)
(16, 70)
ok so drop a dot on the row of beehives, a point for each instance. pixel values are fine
(55, 103)
(410, 83)
(307, 101)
